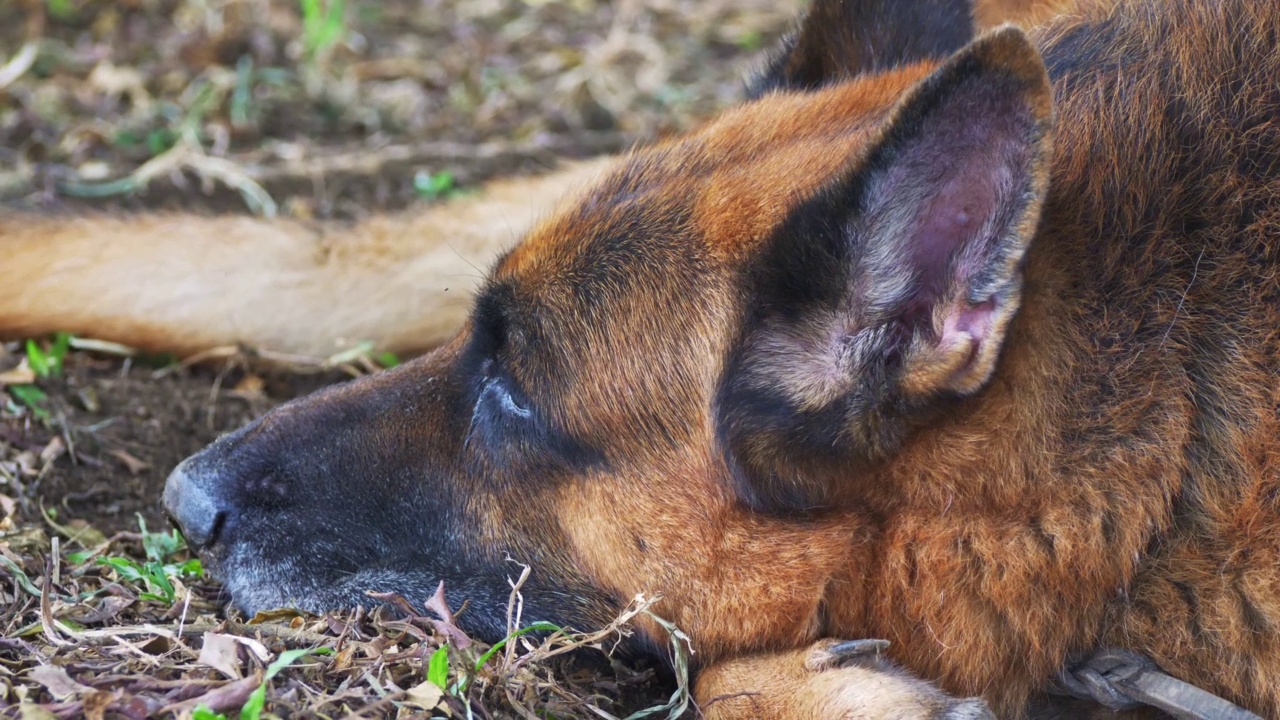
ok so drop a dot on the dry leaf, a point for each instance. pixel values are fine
(105, 611)
(259, 650)
(131, 463)
(343, 659)
(222, 653)
(83, 534)
(21, 375)
(251, 386)
(27, 463)
(95, 704)
(266, 616)
(445, 625)
(426, 695)
(231, 696)
(57, 682)
(28, 711)
(158, 645)
(88, 398)
(54, 450)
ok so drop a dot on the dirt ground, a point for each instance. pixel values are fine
(323, 110)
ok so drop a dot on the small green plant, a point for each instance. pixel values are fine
(48, 362)
(750, 40)
(434, 186)
(252, 709)
(160, 546)
(438, 668)
(156, 574)
(387, 360)
(242, 95)
(323, 25)
(33, 399)
(539, 626)
(155, 577)
(161, 139)
(61, 9)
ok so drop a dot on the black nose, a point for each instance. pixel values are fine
(192, 502)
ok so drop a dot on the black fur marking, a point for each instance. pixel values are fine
(508, 427)
(1261, 626)
(841, 39)
(1046, 540)
(1192, 601)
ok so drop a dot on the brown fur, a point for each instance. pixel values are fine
(1096, 465)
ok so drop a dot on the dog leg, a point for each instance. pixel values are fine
(830, 679)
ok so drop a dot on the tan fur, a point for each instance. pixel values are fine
(802, 684)
(1024, 13)
(185, 283)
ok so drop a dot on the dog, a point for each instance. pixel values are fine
(971, 344)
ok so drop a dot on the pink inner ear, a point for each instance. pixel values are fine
(951, 218)
(968, 324)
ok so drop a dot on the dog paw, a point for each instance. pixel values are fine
(850, 680)
(832, 654)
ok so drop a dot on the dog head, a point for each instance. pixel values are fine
(674, 383)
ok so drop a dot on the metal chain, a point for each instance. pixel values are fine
(1124, 680)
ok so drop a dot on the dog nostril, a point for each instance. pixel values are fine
(192, 506)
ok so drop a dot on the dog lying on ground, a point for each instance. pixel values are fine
(970, 344)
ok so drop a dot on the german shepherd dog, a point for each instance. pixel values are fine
(967, 343)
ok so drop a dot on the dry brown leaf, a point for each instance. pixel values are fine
(57, 682)
(426, 695)
(259, 650)
(343, 659)
(54, 450)
(105, 611)
(252, 386)
(82, 533)
(21, 375)
(29, 711)
(28, 463)
(445, 625)
(231, 696)
(158, 645)
(131, 463)
(222, 653)
(267, 616)
(95, 704)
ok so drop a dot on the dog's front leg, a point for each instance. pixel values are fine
(830, 679)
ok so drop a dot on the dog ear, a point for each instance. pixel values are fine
(890, 291)
(841, 39)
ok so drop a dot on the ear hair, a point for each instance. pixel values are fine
(891, 289)
(841, 39)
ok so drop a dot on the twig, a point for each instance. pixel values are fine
(19, 64)
(371, 162)
(515, 608)
(184, 155)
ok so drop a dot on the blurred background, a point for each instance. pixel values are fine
(335, 108)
